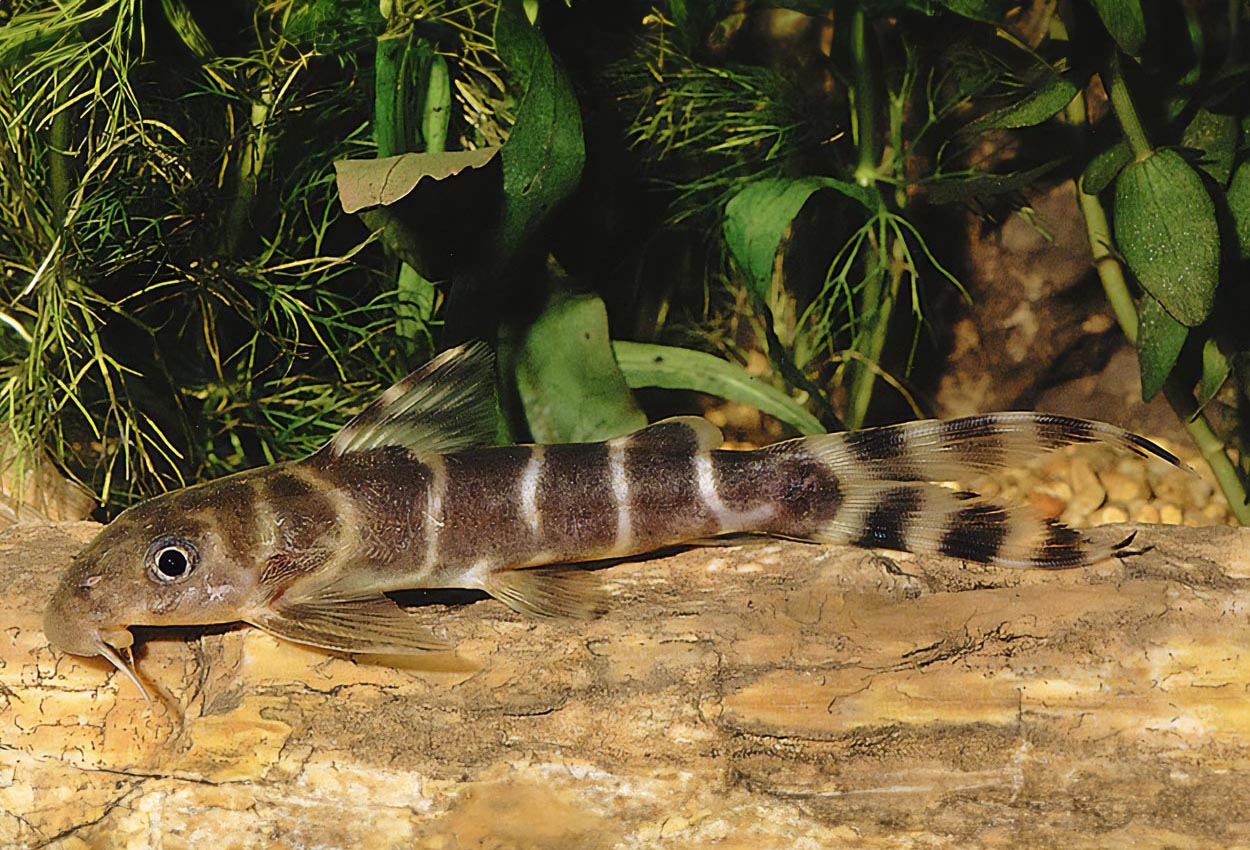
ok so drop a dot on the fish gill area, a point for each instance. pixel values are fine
(764, 694)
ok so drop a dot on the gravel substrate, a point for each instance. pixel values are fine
(1095, 485)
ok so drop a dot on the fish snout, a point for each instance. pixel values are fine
(73, 624)
(66, 624)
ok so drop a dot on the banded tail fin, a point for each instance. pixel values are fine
(936, 450)
(887, 498)
(929, 519)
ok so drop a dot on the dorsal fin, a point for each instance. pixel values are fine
(447, 405)
(677, 433)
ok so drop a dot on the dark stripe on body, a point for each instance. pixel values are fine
(664, 501)
(305, 515)
(885, 527)
(282, 567)
(389, 490)
(483, 516)
(575, 499)
(806, 492)
(676, 438)
(229, 504)
(747, 479)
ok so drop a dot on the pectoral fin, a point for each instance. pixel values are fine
(374, 624)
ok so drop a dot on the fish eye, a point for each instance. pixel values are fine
(171, 559)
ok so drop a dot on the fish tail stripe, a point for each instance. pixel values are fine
(929, 519)
(933, 450)
(887, 523)
(1056, 431)
(874, 445)
(976, 532)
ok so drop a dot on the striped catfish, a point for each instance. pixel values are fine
(414, 493)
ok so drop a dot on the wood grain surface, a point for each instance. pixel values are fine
(763, 695)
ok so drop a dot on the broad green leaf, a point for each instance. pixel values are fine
(758, 216)
(436, 110)
(543, 156)
(671, 368)
(1216, 135)
(1047, 99)
(1125, 21)
(366, 183)
(1165, 228)
(1215, 369)
(1159, 342)
(1104, 167)
(401, 66)
(1238, 196)
(569, 384)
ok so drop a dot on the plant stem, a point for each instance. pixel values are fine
(1125, 111)
(60, 166)
(1179, 396)
(249, 160)
(864, 107)
(879, 299)
(875, 301)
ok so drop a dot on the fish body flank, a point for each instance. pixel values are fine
(413, 494)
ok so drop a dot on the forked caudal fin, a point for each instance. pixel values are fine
(888, 500)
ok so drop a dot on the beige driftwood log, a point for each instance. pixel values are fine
(765, 695)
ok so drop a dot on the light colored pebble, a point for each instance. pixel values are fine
(1174, 486)
(1170, 515)
(1046, 504)
(1124, 488)
(1061, 490)
(1215, 511)
(673, 825)
(1108, 514)
(1088, 493)
(1200, 491)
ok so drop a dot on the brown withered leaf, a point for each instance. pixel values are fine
(366, 183)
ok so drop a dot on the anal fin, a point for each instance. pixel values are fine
(549, 592)
(372, 624)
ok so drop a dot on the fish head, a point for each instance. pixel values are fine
(174, 560)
